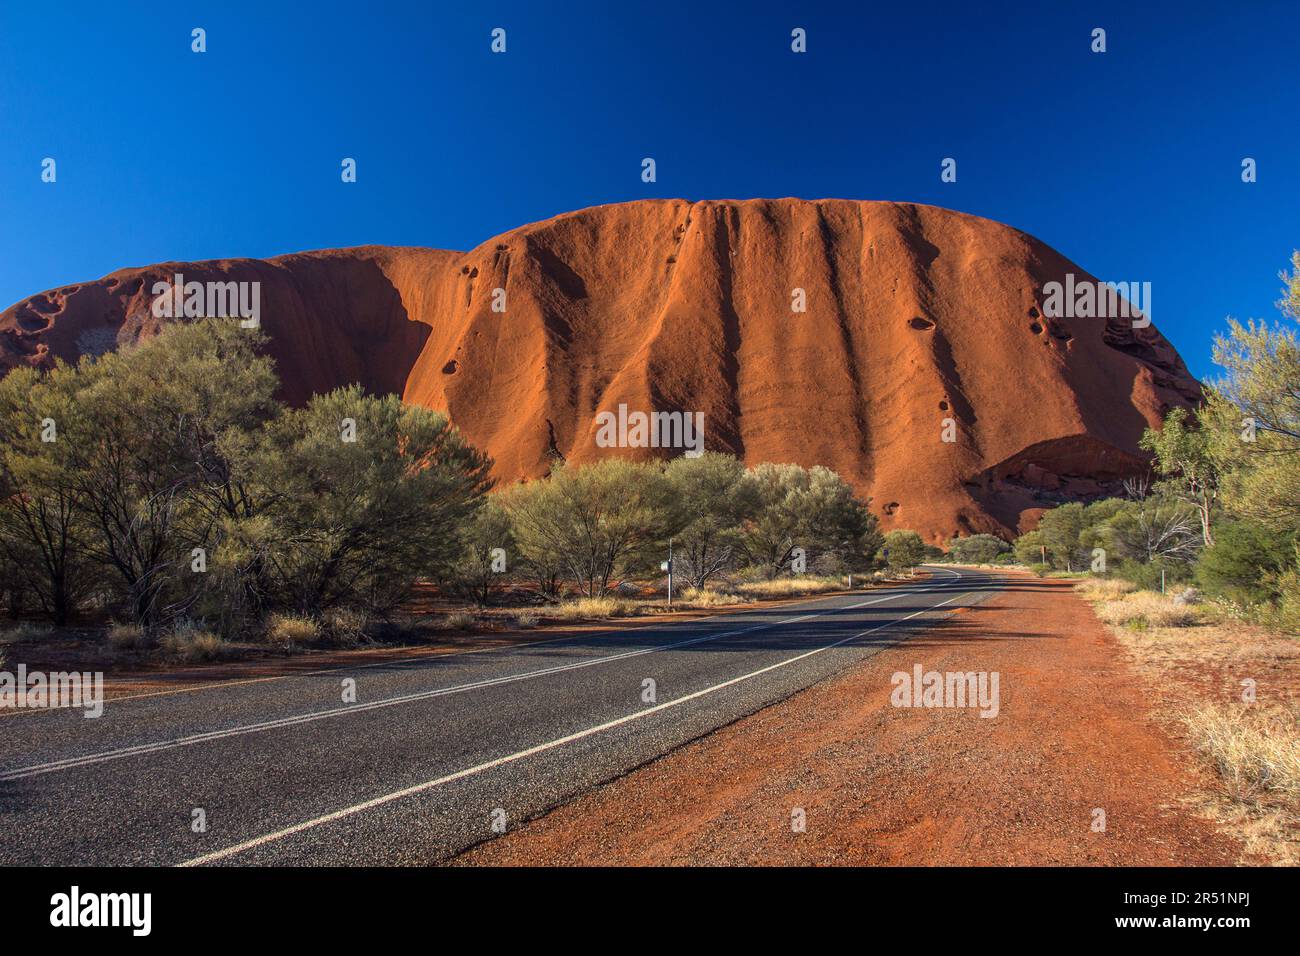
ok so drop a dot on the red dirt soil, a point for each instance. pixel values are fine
(914, 314)
(882, 785)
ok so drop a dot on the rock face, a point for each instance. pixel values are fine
(920, 324)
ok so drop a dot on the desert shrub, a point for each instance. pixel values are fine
(1288, 611)
(526, 620)
(189, 643)
(461, 621)
(128, 637)
(1028, 548)
(813, 509)
(1040, 569)
(977, 549)
(288, 631)
(1245, 561)
(594, 524)
(712, 497)
(345, 627)
(1146, 574)
(902, 549)
(363, 496)
(480, 564)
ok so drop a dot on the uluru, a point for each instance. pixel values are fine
(921, 366)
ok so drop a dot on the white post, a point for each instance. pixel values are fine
(670, 572)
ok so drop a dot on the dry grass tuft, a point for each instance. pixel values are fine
(288, 631)
(1144, 609)
(1104, 589)
(461, 621)
(25, 631)
(188, 644)
(588, 608)
(708, 597)
(1254, 750)
(128, 637)
(791, 587)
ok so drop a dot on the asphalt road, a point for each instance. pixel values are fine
(433, 753)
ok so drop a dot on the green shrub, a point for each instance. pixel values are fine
(902, 549)
(1146, 575)
(1245, 562)
(977, 549)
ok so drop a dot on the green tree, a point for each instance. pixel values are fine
(599, 522)
(360, 498)
(902, 549)
(712, 498)
(977, 549)
(143, 429)
(1063, 530)
(1254, 413)
(42, 535)
(1184, 456)
(1153, 527)
(1030, 548)
(1245, 561)
(487, 550)
(809, 508)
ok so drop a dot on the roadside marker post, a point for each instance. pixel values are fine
(668, 566)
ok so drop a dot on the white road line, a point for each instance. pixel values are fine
(121, 753)
(419, 658)
(531, 751)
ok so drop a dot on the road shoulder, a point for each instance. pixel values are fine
(1074, 746)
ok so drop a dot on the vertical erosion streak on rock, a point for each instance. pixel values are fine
(914, 314)
(842, 298)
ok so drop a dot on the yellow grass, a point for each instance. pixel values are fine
(791, 587)
(290, 630)
(708, 597)
(1105, 589)
(1254, 749)
(1143, 609)
(127, 637)
(1251, 752)
(189, 645)
(587, 608)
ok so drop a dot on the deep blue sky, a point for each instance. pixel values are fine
(1128, 162)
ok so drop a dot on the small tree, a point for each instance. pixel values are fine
(814, 509)
(1185, 457)
(361, 497)
(903, 550)
(977, 549)
(486, 552)
(712, 499)
(42, 534)
(599, 521)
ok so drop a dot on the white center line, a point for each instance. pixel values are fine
(540, 748)
(297, 719)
